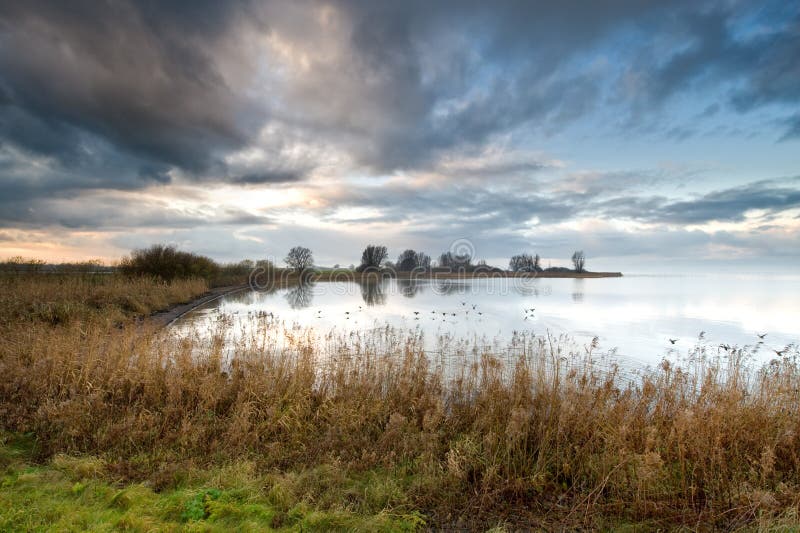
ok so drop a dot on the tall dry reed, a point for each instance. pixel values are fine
(547, 438)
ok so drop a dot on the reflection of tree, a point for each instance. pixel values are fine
(577, 290)
(373, 292)
(525, 289)
(300, 296)
(450, 287)
(409, 287)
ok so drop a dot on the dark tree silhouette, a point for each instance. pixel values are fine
(299, 258)
(372, 257)
(524, 263)
(410, 260)
(579, 260)
(455, 261)
(423, 261)
(407, 261)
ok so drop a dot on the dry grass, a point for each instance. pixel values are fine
(54, 299)
(548, 439)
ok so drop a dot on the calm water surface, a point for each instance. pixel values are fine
(634, 316)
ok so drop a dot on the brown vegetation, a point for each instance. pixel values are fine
(546, 438)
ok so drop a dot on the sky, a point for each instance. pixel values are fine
(654, 136)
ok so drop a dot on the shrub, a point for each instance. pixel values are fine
(168, 263)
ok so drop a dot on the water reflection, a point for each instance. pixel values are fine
(300, 296)
(636, 314)
(374, 292)
(530, 287)
(409, 287)
(447, 287)
(577, 290)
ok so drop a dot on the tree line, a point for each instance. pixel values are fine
(375, 257)
(168, 262)
(532, 263)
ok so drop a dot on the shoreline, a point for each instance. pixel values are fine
(169, 315)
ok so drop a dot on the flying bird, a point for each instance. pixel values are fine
(673, 341)
(761, 335)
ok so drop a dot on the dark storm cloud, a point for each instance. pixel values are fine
(122, 95)
(278, 176)
(474, 210)
(138, 74)
(414, 78)
(113, 213)
(447, 74)
(714, 48)
(728, 205)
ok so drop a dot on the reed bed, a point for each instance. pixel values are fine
(548, 438)
(54, 299)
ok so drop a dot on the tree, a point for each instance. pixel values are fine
(410, 260)
(423, 261)
(525, 263)
(579, 260)
(372, 257)
(299, 258)
(407, 261)
(455, 261)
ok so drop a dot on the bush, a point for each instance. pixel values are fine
(22, 264)
(168, 263)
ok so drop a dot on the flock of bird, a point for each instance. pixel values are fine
(466, 309)
(728, 347)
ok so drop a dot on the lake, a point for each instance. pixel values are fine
(634, 316)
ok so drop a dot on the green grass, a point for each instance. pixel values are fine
(79, 494)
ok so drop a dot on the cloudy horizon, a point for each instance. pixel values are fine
(650, 135)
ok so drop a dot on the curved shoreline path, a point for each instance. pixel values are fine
(168, 316)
